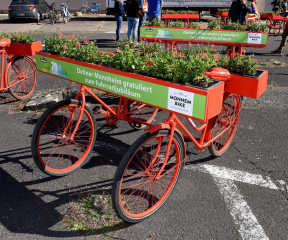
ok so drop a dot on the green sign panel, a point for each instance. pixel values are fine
(204, 35)
(187, 103)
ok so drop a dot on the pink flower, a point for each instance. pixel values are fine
(92, 43)
(77, 44)
(212, 45)
(216, 57)
(64, 47)
(215, 50)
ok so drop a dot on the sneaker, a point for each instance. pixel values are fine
(277, 51)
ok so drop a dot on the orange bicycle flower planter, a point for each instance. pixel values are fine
(198, 103)
(23, 49)
(247, 86)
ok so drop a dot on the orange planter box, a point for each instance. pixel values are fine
(252, 87)
(23, 49)
(180, 16)
(222, 14)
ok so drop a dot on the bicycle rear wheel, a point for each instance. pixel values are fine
(136, 192)
(141, 112)
(227, 118)
(21, 76)
(53, 151)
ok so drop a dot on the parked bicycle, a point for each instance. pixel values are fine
(65, 13)
(96, 8)
(53, 16)
(19, 75)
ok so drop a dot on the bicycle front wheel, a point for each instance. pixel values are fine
(21, 77)
(137, 191)
(142, 112)
(54, 151)
(227, 118)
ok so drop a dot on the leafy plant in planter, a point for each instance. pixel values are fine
(18, 37)
(273, 13)
(178, 12)
(223, 10)
(241, 64)
(255, 27)
(214, 23)
(184, 66)
(155, 23)
(193, 25)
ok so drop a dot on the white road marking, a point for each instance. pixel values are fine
(248, 226)
(235, 175)
(247, 223)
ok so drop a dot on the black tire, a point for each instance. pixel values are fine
(146, 114)
(26, 87)
(38, 19)
(82, 10)
(142, 151)
(229, 113)
(52, 149)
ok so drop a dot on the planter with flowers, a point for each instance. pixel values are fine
(274, 21)
(22, 44)
(222, 14)
(246, 79)
(226, 35)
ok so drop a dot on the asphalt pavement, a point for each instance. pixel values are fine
(240, 195)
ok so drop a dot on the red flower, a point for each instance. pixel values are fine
(15, 36)
(215, 50)
(77, 44)
(61, 34)
(149, 63)
(64, 47)
(86, 41)
(216, 57)
(212, 45)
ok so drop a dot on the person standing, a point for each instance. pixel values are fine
(119, 13)
(133, 7)
(284, 6)
(239, 10)
(254, 15)
(155, 7)
(276, 5)
(142, 15)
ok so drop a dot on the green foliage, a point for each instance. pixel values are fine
(93, 214)
(193, 25)
(214, 23)
(155, 23)
(177, 24)
(241, 64)
(178, 12)
(18, 37)
(273, 13)
(186, 66)
(233, 26)
(252, 27)
(223, 10)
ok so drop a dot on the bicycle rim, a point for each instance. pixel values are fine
(140, 192)
(56, 151)
(141, 112)
(21, 76)
(227, 120)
